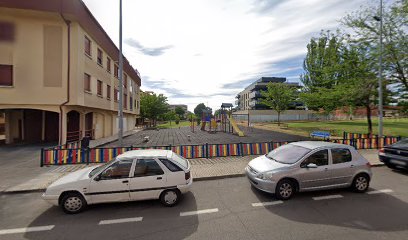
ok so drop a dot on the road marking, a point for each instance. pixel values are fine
(260, 204)
(380, 191)
(26, 229)
(213, 210)
(327, 197)
(120, 220)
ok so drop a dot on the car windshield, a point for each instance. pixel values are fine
(99, 168)
(179, 159)
(288, 153)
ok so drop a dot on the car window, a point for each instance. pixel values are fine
(288, 153)
(341, 155)
(179, 159)
(119, 169)
(147, 167)
(171, 166)
(320, 158)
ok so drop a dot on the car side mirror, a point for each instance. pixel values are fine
(98, 178)
(311, 165)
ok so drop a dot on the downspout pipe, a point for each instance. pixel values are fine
(68, 23)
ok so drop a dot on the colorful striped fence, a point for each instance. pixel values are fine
(62, 156)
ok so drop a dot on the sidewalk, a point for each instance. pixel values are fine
(202, 169)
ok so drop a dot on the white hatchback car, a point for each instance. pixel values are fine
(133, 175)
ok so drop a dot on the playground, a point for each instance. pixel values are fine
(184, 136)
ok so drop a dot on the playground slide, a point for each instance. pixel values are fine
(235, 127)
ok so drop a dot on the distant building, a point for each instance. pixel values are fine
(173, 107)
(248, 99)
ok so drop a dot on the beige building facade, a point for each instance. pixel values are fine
(59, 74)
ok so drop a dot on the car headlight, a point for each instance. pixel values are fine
(265, 176)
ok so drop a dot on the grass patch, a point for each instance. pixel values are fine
(392, 127)
(174, 125)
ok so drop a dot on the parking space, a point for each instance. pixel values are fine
(229, 207)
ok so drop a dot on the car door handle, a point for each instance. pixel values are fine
(325, 169)
(352, 166)
(125, 181)
(159, 178)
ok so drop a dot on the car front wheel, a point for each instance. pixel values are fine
(170, 197)
(285, 189)
(73, 203)
(361, 183)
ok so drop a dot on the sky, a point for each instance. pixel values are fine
(207, 51)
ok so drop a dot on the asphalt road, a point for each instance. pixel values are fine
(223, 209)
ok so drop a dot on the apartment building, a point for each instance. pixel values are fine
(59, 74)
(249, 98)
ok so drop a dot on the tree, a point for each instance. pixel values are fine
(278, 96)
(177, 120)
(366, 28)
(198, 110)
(180, 112)
(169, 116)
(322, 72)
(152, 106)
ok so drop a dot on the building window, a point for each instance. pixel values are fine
(100, 57)
(108, 92)
(6, 75)
(131, 105)
(108, 65)
(99, 87)
(7, 31)
(88, 46)
(124, 80)
(125, 101)
(116, 71)
(115, 95)
(87, 82)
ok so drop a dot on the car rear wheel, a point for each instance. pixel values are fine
(73, 203)
(361, 183)
(170, 197)
(285, 189)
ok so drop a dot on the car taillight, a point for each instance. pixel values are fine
(187, 175)
(381, 150)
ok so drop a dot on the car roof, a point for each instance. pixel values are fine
(146, 153)
(318, 144)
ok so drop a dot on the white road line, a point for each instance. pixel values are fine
(120, 220)
(213, 210)
(260, 204)
(380, 191)
(327, 197)
(26, 229)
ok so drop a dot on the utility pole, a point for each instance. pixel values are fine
(120, 110)
(380, 90)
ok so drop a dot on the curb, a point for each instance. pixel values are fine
(22, 191)
(199, 179)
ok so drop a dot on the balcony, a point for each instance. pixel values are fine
(255, 94)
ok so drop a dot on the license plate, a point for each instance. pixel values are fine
(398, 162)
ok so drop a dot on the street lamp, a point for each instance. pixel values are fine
(120, 107)
(380, 90)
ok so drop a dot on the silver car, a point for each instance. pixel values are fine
(307, 166)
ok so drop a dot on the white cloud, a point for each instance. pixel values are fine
(194, 48)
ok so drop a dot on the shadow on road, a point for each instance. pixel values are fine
(159, 222)
(374, 212)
